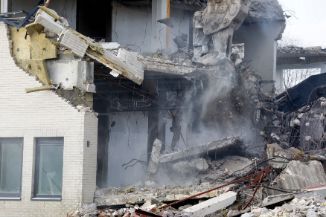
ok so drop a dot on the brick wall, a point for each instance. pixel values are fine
(45, 114)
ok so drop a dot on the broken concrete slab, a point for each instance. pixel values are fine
(212, 205)
(274, 200)
(300, 175)
(218, 146)
(279, 157)
(316, 192)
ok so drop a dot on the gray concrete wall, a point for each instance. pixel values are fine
(181, 20)
(131, 27)
(137, 28)
(65, 8)
(127, 141)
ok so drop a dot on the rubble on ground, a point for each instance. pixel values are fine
(287, 179)
(228, 176)
(278, 181)
(309, 207)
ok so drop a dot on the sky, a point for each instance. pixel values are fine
(307, 25)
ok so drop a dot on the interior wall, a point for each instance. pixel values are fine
(65, 8)
(127, 154)
(181, 20)
(131, 27)
(136, 28)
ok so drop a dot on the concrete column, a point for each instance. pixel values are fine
(4, 6)
(261, 50)
(160, 32)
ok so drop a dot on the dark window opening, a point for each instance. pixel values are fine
(94, 19)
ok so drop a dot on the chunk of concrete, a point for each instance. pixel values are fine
(212, 205)
(280, 157)
(300, 175)
(274, 200)
(155, 158)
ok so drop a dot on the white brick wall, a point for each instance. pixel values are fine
(45, 114)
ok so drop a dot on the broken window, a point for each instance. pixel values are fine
(11, 155)
(48, 168)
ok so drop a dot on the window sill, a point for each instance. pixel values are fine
(10, 198)
(46, 199)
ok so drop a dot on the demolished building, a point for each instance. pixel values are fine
(82, 113)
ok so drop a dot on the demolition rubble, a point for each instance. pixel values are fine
(285, 175)
(269, 158)
(288, 180)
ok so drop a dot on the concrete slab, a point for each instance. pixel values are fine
(218, 146)
(212, 205)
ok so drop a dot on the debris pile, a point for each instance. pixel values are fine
(309, 207)
(288, 179)
(229, 175)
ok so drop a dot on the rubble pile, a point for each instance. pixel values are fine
(303, 128)
(276, 168)
(286, 179)
(309, 207)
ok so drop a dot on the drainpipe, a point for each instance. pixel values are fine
(4, 6)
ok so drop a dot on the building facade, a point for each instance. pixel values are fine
(47, 146)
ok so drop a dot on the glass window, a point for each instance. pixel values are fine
(11, 159)
(48, 168)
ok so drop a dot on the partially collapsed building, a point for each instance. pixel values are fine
(90, 91)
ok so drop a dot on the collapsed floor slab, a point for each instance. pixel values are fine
(217, 146)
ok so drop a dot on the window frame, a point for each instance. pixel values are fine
(35, 197)
(14, 196)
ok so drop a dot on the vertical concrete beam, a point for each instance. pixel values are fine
(261, 49)
(4, 6)
(160, 10)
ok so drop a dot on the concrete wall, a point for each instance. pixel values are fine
(137, 28)
(45, 114)
(128, 140)
(132, 27)
(65, 8)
